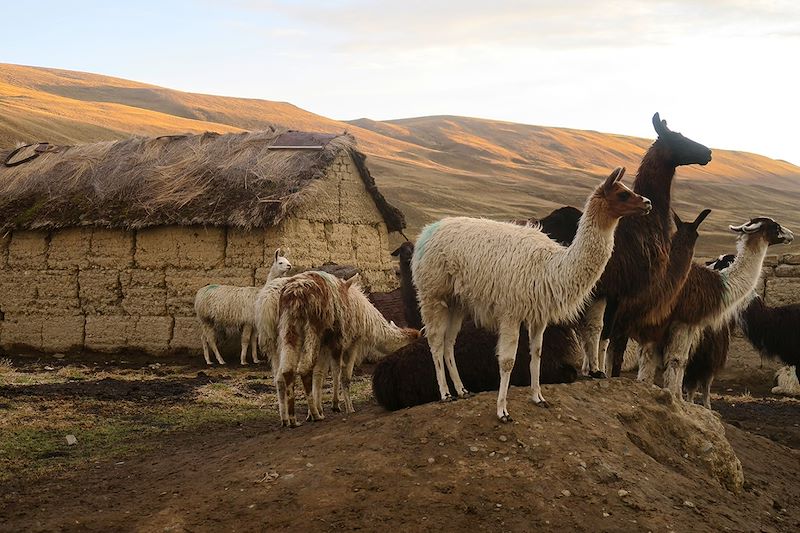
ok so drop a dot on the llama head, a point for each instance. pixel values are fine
(687, 231)
(619, 199)
(722, 262)
(679, 150)
(764, 228)
(280, 265)
(404, 252)
(396, 338)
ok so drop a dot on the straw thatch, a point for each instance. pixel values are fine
(209, 179)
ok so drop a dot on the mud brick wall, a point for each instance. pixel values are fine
(780, 283)
(113, 290)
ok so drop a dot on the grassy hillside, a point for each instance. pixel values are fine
(429, 166)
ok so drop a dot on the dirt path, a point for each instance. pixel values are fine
(610, 456)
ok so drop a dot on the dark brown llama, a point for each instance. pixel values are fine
(641, 251)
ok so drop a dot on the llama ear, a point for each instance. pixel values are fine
(660, 125)
(701, 217)
(747, 227)
(277, 253)
(355, 278)
(676, 218)
(614, 177)
(737, 229)
(396, 252)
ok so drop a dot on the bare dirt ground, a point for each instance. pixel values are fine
(179, 447)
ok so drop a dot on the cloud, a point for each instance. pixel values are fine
(378, 27)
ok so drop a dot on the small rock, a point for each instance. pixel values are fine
(441, 444)
(492, 454)
(49, 368)
(498, 505)
(431, 460)
(503, 438)
(606, 515)
(566, 493)
(687, 503)
(71, 440)
(473, 448)
(622, 493)
(59, 355)
(309, 465)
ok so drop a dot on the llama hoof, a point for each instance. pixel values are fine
(598, 374)
(244, 363)
(465, 394)
(447, 398)
(505, 419)
(543, 403)
(336, 409)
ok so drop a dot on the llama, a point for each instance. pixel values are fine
(640, 241)
(324, 321)
(773, 331)
(407, 377)
(227, 306)
(648, 328)
(711, 298)
(787, 381)
(708, 358)
(504, 274)
(407, 290)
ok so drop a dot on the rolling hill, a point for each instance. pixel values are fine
(428, 166)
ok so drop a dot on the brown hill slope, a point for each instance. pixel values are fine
(429, 166)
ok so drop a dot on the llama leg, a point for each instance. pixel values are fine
(507, 341)
(707, 392)
(676, 355)
(615, 355)
(348, 363)
(247, 331)
(211, 336)
(336, 376)
(320, 371)
(591, 331)
(308, 386)
(205, 346)
(254, 347)
(285, 384)
(535, 334)
(649, 357)
(436, 318)
(453, 327)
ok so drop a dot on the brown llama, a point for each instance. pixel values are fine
(641, 253)
(325, 322)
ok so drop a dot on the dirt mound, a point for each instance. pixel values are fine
(611, 455)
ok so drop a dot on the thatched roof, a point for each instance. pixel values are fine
(243, 180)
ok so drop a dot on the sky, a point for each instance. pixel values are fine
(723, 71)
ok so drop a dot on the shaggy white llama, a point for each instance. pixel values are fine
(227, 306)
(325, 322)
(504, 274)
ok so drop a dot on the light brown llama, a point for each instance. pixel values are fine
(324, 322)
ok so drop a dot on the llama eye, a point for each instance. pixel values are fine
(624, 196)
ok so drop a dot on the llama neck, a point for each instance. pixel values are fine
(582, 263)
(274, 273)
(370, 325)
(742, 276)
(409, 295)
(654, 181)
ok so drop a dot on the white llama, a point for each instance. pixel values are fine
(504, 274)
(227, 306)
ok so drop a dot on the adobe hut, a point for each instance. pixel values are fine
(104, 245)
